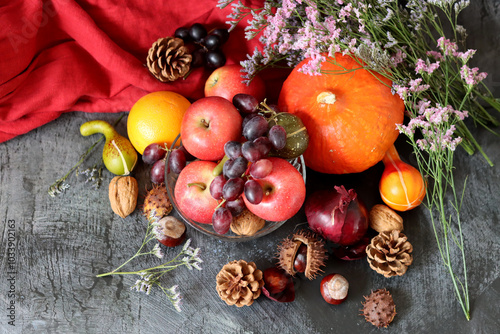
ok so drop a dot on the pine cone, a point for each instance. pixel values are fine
(239, 283)
(389, 253)
(169, 59)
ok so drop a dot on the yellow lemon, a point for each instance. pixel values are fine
(156, 118)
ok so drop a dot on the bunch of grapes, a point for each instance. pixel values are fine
(245, 163)
(155, 154)
(207, 45)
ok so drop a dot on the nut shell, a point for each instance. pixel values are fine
(379, 308)
(123, 192)
(157, 204)
(247, 223)
(384, 219)
(316, 253)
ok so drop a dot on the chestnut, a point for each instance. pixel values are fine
(171, 232)
(334, 288)
(278, 285)
(300, 262)
(275, 280)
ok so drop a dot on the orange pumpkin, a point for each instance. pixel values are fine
(350, 114)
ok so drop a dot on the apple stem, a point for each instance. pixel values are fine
(201, 185)
(205, 123)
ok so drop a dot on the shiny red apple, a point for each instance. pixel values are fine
(284, 192)
(227, 81)
(192, 191)
(207, 125)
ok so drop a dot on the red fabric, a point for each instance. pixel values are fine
(64, 55)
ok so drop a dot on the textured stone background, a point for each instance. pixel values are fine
(63, 242)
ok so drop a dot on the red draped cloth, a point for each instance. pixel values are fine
(89, 55)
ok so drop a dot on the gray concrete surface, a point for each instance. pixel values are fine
(61, 243)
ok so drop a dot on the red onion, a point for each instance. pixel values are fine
(337, 215)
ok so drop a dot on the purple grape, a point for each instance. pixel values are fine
(263, 145)
(221, 220)
(274, 108)
(197, 31)
(211, 42)
(222, 33)
(152, 153)
(215, 59)
(182, 33)
(177, 161)
(199, 56)
(236, 207)
(189, 156)
(247, 118)
(232, 149)
(251, 151)
(255, 127)
(216, 187)
(260, 169)
(277, 136)
(253, 192)
(245, 103)
(235, 168)
(157, 173)
(233, 189)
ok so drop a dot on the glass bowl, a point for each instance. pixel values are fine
(171, 179)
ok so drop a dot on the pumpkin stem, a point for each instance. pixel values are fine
(326, 97)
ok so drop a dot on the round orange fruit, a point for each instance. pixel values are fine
(156, 118)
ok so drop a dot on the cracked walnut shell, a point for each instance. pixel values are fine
(389, 253)
(239, 283)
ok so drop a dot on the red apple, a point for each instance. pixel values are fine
(226, 81)
(284, 192)
(192, 191)
(207, 125)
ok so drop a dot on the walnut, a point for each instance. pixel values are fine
(123, 192)
(247, 223)
(384, 219)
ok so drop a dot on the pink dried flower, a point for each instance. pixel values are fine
(471, 75)
(447, 47)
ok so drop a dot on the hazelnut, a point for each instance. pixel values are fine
(384, 219)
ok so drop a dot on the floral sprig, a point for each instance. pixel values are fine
(149, 277)
(408, 45)
(92, 175)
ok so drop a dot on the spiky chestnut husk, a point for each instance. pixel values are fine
(316, 253)
(379, 308)
(157, 204)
